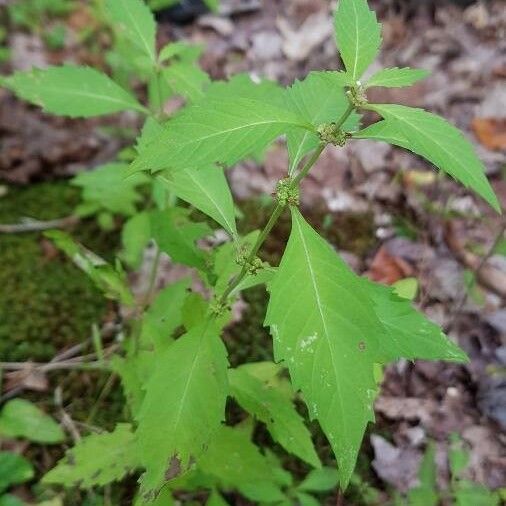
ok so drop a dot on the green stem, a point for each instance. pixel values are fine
(276, 213)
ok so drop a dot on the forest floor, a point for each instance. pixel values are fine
(385, 210)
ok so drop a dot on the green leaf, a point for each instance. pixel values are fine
(272, 407)
(176, 423)
(134, 372)
(468, 493)
(319, 98)
(107, 187)
(216, 499)
(320, 480)
(406, 288)
(426, 493)
(307, 499)
(78, 92)
(384, 131)
(14, 469)
(358, 36)
(396, 77)
(105, 277)
(20, 418)
(187, 80)
(165, 314)
(410, 334)
(326, 331)
(136, 21)
(176, 236)
(97, 460)
(207, 189)
(438, 141)
(187, 53)
(11, 500)
(237, 463)
(216, 131)
(457, 456)
(135, 236)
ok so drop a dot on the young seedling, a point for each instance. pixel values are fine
(331, 328)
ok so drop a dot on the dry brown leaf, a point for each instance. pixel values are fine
(388, 269)
(491, 132)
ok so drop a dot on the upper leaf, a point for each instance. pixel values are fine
(72, 91)
(184, 405)
(207, 189)
(277, 411)
(396, 77)
(439, 142)
(137, 23)
(358, 36)
(319, 98)
(216, 131)
(23, 419)
(187, 80)
(326, 331)
(97, 460)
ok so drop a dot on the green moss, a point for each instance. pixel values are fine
(46, 303)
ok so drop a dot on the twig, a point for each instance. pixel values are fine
(31, 225)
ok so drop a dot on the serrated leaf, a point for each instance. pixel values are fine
(328, 335)
(106, 186)
(216, 131)
(97, 460)
(134, 371)
(410, 334)
(320, 480)
(236, 462)
(136, 21)
(106, 278)
(14, 469)
(20, 418)
(318, 99)
(433, 138)
(396, 77)
(78, 92)
(384, 131)
(358, 36)
(208, 190)
(176, 236)
(176, 423)
(307, 499)
(187, 80)
(273, 408)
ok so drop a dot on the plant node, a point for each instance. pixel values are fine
(253, 266)
(218, 307)
(287, 193)
(330, 133)
(357, 96)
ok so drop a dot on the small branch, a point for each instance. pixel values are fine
(31, 225)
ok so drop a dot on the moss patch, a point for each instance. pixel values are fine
(46, 303)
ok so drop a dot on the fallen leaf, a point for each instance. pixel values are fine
(388, 269)
(491, 132)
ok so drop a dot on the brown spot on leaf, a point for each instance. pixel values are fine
(174, 468)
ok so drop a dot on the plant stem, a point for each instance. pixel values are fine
(261, 238)
(152, 279)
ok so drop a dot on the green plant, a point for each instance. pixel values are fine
(462, 492)
(331, 329)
